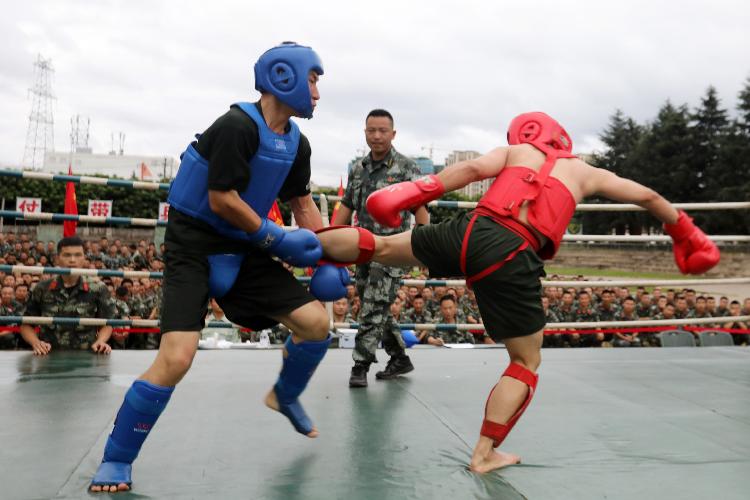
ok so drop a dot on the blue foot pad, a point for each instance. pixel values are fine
(296, 415)
(112, 474)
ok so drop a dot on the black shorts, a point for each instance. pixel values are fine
(264, 288)
(509, 299)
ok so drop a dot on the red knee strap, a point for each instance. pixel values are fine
(498, 432)
(366, 246)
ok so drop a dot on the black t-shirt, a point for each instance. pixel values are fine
(228, 145)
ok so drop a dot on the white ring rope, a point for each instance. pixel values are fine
(601, 283)
(575, 325)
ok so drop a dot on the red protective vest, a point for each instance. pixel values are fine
(550, 204)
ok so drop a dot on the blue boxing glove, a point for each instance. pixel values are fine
(299, 247)
(329, 282)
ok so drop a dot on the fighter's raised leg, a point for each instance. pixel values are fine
(303, 352)
(346, 244)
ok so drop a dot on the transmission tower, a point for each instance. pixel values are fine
(40, 136)
(79, 134)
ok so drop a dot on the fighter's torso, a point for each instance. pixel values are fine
(564, 188)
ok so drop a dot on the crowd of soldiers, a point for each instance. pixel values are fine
(141, 299)
(448, 305)
(124, 298)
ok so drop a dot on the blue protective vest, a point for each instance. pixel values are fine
(269, 168)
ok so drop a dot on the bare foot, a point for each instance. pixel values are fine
(273, 403)
(110, 488)
(492, 461)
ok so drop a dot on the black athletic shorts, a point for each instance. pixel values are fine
(264, 288)
(509, 299)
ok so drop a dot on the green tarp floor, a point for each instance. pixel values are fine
(605, 424)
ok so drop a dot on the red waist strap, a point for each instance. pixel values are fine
(517, 227)
(494, 267)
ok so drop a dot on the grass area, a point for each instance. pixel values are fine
(612, 273)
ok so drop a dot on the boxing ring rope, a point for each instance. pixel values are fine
(597, 283)
(568, 325)
(117, 221)
(56, 320)
(83, 179)
(164, 186)
(73, 271)
(136, 221)
(38, 270)
(595, 207)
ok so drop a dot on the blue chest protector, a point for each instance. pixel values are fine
(269, 168)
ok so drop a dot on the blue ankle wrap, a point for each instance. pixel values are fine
(298, 367)
(143, 404)
(223, 272)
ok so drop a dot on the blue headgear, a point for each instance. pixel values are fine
(282, 71)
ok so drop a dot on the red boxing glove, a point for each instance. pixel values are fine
(385, 205)
(694, 253)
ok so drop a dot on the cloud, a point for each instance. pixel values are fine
(452, 73)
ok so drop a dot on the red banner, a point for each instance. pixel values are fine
(69, 226)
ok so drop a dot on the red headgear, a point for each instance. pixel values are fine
(539, 129)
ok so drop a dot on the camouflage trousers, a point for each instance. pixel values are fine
(377, 286)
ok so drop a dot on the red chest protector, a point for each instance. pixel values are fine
(550, 204)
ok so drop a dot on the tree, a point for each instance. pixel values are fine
(620, 137)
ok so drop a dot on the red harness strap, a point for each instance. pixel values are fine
(522, 231)
(498, 432)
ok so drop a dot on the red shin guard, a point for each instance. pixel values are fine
(366, 246)
(495, 431)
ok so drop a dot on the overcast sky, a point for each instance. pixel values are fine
(452, 73)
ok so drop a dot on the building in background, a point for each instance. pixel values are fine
(475, 189)
(85, 162)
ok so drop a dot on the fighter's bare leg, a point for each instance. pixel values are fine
(308, 322)
(175, 356)
(341, 245)
(506, 399)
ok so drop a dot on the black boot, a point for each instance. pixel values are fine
(358, 377)
(397, 365)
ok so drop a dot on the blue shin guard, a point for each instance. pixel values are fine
(298, 367)
(143, 404)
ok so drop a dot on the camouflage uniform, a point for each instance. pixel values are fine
(452, 336)
(432, 306)
(9, 340)
(411, 316)
(646, 312)
(608, 315)
(139, 307)
(555, 339)
(278, 334)
(86, 299)
(113, 261)
(586, 315)
(618, 342)
(377, 284)
(566, 316)
(470, 308)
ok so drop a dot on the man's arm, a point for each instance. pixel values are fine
(343, 216)
(229, 206)
(39, 347)
(694, 252)
(604, 183)
(102, 337)
(306, 212)
(465, 172)
(385, 205)
(421, 215)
